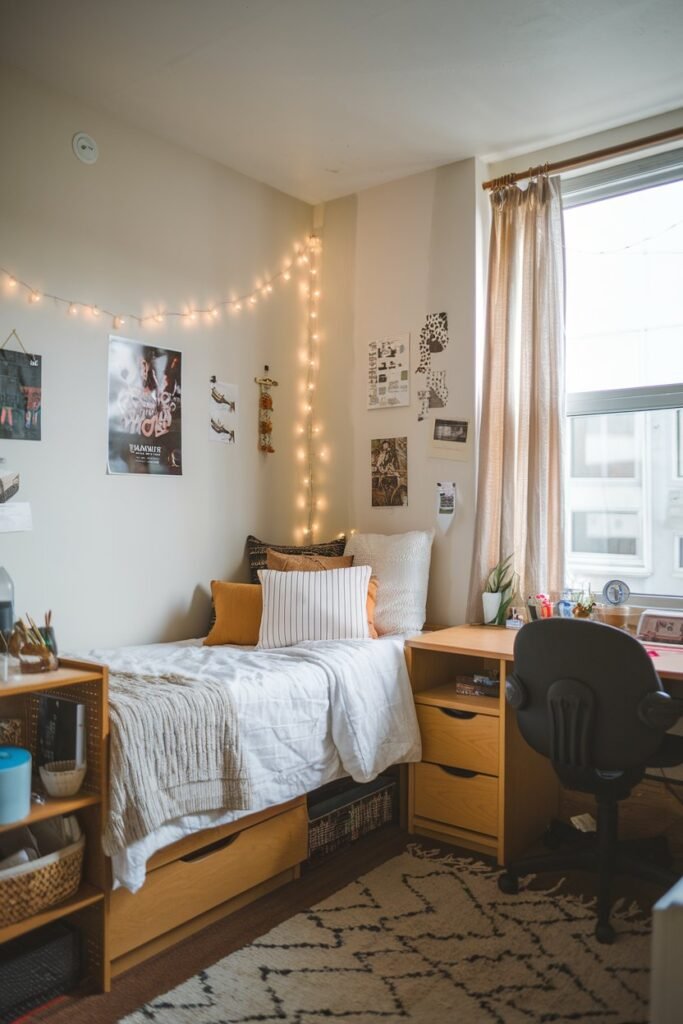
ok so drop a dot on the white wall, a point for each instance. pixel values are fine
(129, 559)
(417, 252)
(421, 246)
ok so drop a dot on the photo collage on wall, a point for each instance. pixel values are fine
(389, 372)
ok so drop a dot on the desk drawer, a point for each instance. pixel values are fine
(185, 888)
(465, 801)
(459, 738)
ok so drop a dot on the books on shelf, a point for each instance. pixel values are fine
(61, 731)
(477, 685)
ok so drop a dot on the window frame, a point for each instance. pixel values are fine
(608, 182)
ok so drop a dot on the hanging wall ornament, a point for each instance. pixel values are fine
(265, 412)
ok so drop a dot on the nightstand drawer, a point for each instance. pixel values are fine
(461, 739)
(465, 800)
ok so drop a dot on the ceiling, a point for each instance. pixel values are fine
(321, 98)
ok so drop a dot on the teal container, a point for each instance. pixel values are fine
(15, 784)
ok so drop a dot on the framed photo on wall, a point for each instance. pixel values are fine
(451, 439)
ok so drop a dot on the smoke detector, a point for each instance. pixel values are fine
(85, 147)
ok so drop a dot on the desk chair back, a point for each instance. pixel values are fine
(582, 691)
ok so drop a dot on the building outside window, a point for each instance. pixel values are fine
(624, 484)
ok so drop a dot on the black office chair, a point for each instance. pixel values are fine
(588, 697)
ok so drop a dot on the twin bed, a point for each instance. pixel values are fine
(306, 715)
(213, 746)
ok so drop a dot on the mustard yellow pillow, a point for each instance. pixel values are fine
(306, 563)
(238, 613)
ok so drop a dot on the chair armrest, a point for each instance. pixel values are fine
(659, 710)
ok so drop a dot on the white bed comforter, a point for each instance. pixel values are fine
(308, 714)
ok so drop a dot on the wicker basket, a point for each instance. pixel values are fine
(29, 888)
(347, 816)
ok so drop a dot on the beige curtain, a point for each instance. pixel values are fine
(520, 477)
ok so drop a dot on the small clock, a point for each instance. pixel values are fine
(616, 592)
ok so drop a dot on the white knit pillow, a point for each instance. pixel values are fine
(327, 605)
(401, 563)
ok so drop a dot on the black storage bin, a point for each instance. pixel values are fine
(343, 812)
(38, 967)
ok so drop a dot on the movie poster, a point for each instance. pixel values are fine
(144, 409)
(20, 396)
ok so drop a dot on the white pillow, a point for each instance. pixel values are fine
(326, 605)
(401, 563)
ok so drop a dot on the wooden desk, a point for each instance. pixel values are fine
(479, 784)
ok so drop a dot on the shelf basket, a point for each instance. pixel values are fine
(27, 889)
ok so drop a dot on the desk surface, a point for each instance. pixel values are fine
(498, 642)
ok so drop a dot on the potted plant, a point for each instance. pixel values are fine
(499, 592)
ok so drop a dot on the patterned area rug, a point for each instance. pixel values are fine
(429, 939)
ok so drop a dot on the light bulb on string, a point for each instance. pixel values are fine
(118, 321)
(11, 281)
(34, 297)
(73, 309)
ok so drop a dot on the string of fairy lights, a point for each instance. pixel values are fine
(191, 314)
(309, 430)
(306, 258)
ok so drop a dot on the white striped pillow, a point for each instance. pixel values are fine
(327, 605)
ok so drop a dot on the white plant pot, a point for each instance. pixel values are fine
(491, 603)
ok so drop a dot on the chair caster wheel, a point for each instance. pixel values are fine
(508, 883)
(605, 934)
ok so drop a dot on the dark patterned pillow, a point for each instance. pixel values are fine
(256, 552)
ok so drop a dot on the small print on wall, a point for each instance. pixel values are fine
(20, 395)
(144, 409)
(223, 409)
(433, 391)
(389, 471)
(451, 439)
(389, 372)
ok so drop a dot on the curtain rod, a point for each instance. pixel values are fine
(585, 158)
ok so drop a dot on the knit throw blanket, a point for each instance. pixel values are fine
(174, 750)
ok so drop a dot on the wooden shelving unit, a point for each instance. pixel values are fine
(86, 909)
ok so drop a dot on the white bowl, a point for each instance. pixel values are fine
(62, 778)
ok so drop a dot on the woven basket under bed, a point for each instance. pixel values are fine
(30, 888)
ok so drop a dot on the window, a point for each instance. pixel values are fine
(624, 485)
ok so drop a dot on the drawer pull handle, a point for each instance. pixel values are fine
(206, 851)
(462, 773)
(455, 713)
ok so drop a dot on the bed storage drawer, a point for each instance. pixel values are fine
(461, 739)
(464, 799)
(206, 877)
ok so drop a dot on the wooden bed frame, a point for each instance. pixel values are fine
(193, 882)
(204, 877)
